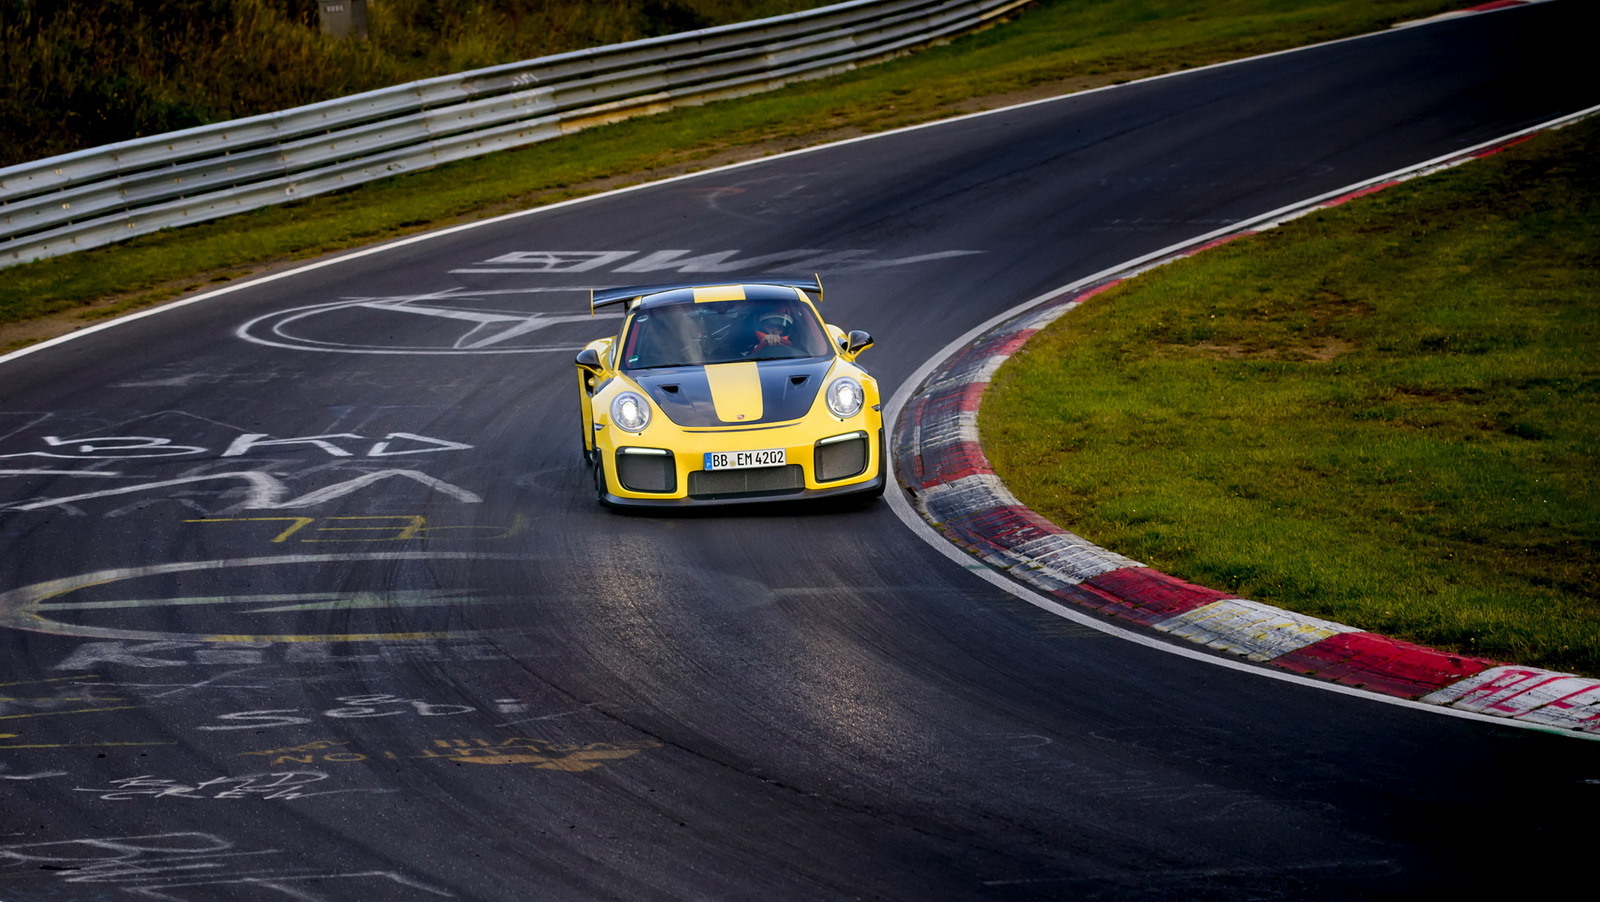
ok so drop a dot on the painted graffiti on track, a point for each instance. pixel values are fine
(528, 319)
(352, 707)
(48, 606)
(184, 654)
(275, 786)
(191, 866)
(566, 756)
(78, 462)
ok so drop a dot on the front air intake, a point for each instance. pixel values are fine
(711, 484)
(841, 457)
(647, 470)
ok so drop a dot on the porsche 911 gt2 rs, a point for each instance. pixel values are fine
(727, 393)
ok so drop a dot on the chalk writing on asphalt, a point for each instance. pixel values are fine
(193, 866)
(286, 785)
(137, 447)
(149, 655)
(563, 755)
(55, 606)
(351, 707)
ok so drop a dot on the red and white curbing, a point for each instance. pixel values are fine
(939, 460)
(1470, 11)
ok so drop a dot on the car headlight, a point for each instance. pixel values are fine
(845, 397)
(630, 411)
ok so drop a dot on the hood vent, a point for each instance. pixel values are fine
(788, 390)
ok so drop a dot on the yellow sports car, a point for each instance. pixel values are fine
(727, 393)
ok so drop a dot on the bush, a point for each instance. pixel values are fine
(83, 73)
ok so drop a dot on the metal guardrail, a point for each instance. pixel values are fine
(106, 194)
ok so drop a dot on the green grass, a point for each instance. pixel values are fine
(1383, 414)
(1061, 44)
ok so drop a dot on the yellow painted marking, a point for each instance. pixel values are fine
(406, 528)
(18, 698)
(76, 711)
(299, 523)
(80, 745)
(304, 601)
(538, 753)
(333, 637)
(73, 587)
(202, 600)
(417, 598)
(319, 745)
(577, 762)
(518, 524)
(412, 526)
(736, 391)
(51, 680)
(719, 293)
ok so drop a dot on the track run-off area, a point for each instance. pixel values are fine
(306, 594)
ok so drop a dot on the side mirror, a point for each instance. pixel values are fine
(589, 359)
(857, 342)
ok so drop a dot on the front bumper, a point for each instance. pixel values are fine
(662, 478)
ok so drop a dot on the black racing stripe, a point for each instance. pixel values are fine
(788, 389)
(682, 392)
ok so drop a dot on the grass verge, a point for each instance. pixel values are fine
(1056, 47)
(1383, 414)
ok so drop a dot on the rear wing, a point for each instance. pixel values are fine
(608, 296)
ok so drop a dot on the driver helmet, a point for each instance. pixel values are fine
(775, 321)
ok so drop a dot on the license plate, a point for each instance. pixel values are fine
(744, 460)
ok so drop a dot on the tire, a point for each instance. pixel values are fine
(583, 440)
(599, 472)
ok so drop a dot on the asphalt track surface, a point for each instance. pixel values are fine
(306, 594)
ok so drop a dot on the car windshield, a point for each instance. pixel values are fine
(691, 334)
